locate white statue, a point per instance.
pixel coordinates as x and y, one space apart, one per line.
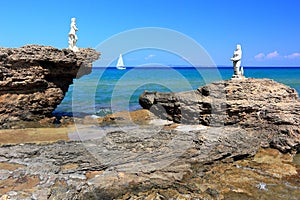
236 59
72 36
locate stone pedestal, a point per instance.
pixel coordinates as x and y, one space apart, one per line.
234 76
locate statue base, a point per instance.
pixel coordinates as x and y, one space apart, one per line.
74 49
234 76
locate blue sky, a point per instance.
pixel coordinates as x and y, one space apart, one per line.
268 30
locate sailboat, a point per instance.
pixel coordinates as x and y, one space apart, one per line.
120 64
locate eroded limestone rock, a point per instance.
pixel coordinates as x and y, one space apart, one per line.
262 107
34 80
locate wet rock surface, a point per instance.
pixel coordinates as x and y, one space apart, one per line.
34 80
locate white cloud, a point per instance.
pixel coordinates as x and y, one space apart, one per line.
149 56
275 55
262 56
271 55
293 56
259 56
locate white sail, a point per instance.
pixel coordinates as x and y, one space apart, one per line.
120 64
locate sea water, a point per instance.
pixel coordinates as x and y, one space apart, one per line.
107 90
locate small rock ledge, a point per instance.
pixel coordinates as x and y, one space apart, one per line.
34 80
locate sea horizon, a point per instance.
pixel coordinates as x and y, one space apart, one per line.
189 66
113 90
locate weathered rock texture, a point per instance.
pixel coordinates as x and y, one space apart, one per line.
189 162
34 80
225 160
262 106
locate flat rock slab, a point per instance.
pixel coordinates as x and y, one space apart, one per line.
116 158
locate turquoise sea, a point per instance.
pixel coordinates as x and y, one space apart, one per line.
108 90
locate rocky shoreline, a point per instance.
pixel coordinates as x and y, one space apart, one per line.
232 139
183 161
146 155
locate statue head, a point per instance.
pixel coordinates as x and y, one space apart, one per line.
73 19
238 47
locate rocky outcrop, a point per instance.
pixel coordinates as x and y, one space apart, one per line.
261 107
34 80
240 147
